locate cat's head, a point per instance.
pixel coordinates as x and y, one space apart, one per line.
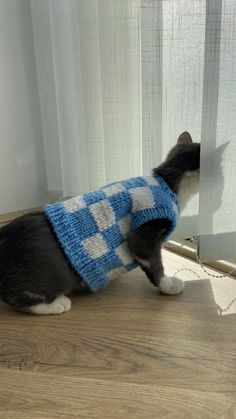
185 155
181 167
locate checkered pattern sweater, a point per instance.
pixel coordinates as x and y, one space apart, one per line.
92 228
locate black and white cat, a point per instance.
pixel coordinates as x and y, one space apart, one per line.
35 275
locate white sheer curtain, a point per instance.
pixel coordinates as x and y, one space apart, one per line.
88 61
217 223
117 81
22 170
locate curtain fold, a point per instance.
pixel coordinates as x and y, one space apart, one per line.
93 57
151 63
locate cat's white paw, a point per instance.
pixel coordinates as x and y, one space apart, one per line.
171 285
60 305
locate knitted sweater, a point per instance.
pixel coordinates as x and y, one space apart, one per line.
92 228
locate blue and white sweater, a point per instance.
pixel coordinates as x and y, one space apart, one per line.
92 228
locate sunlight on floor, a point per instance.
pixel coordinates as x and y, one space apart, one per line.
223 289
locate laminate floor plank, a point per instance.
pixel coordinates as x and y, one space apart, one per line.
126 352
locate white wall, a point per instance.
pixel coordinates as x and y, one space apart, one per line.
22 168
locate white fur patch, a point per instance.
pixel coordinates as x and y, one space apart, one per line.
188 187
143 262
171 285
60 305
34 296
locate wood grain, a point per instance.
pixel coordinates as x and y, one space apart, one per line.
126 352
230 413
56 396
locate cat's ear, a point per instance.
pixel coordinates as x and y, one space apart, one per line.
185 138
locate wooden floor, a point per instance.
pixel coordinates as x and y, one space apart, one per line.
126 352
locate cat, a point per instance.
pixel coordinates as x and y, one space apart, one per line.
36 276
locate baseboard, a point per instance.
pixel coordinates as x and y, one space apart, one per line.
186 248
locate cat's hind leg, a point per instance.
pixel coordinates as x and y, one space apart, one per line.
60 305
36 302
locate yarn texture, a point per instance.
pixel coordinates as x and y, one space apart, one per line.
92 229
